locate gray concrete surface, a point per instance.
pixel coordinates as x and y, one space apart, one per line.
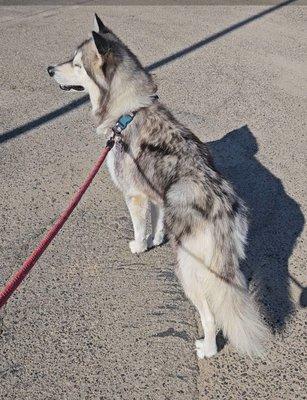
93 321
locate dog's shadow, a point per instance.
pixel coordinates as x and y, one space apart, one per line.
276 222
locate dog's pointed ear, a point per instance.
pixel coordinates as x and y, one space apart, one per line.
103 45
99 25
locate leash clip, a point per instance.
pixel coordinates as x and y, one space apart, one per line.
118 128
120 125
110 142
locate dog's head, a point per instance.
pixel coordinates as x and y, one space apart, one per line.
95 64
92 61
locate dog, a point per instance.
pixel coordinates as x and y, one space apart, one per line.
158 162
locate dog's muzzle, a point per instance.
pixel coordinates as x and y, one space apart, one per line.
78 88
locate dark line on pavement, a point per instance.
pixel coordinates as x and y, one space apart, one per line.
11 134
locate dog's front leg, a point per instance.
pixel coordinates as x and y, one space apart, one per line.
137 206
157 222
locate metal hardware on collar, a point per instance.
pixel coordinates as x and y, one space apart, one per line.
125 119
110 142
122 123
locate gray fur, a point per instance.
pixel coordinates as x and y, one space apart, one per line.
158 160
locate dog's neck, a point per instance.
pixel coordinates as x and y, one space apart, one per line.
95 98
119 100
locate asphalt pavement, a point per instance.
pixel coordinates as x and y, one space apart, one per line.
92 321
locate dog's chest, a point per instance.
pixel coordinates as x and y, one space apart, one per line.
118 164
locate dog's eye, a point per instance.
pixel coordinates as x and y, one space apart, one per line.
77 65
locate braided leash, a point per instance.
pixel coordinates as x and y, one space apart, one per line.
29 263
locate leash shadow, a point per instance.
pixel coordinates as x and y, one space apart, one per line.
276 222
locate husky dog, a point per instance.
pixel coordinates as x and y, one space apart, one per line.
158 161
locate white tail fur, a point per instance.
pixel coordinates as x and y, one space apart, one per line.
236 313
233 307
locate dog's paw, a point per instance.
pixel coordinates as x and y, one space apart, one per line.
155 240
138 247
204 349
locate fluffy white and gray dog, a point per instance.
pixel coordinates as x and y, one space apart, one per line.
159 161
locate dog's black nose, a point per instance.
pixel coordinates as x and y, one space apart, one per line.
50 71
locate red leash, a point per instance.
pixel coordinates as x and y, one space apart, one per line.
20 275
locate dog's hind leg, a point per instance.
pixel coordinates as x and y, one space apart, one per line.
137 206
206 347
157 221
192 274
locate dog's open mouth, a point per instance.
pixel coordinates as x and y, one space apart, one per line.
77 88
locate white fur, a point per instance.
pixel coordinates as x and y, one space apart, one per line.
138 205
123 99
226 304
201 257
205 349
111 166
157 236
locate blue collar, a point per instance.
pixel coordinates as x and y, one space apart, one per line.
123 122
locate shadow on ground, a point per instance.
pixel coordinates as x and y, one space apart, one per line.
29 126
276 222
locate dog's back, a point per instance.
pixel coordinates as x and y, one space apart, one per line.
204 217
158 159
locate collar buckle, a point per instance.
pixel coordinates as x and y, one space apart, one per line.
122 123
117 129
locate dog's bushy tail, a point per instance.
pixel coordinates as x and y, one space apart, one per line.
234 309
235 312
233 306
